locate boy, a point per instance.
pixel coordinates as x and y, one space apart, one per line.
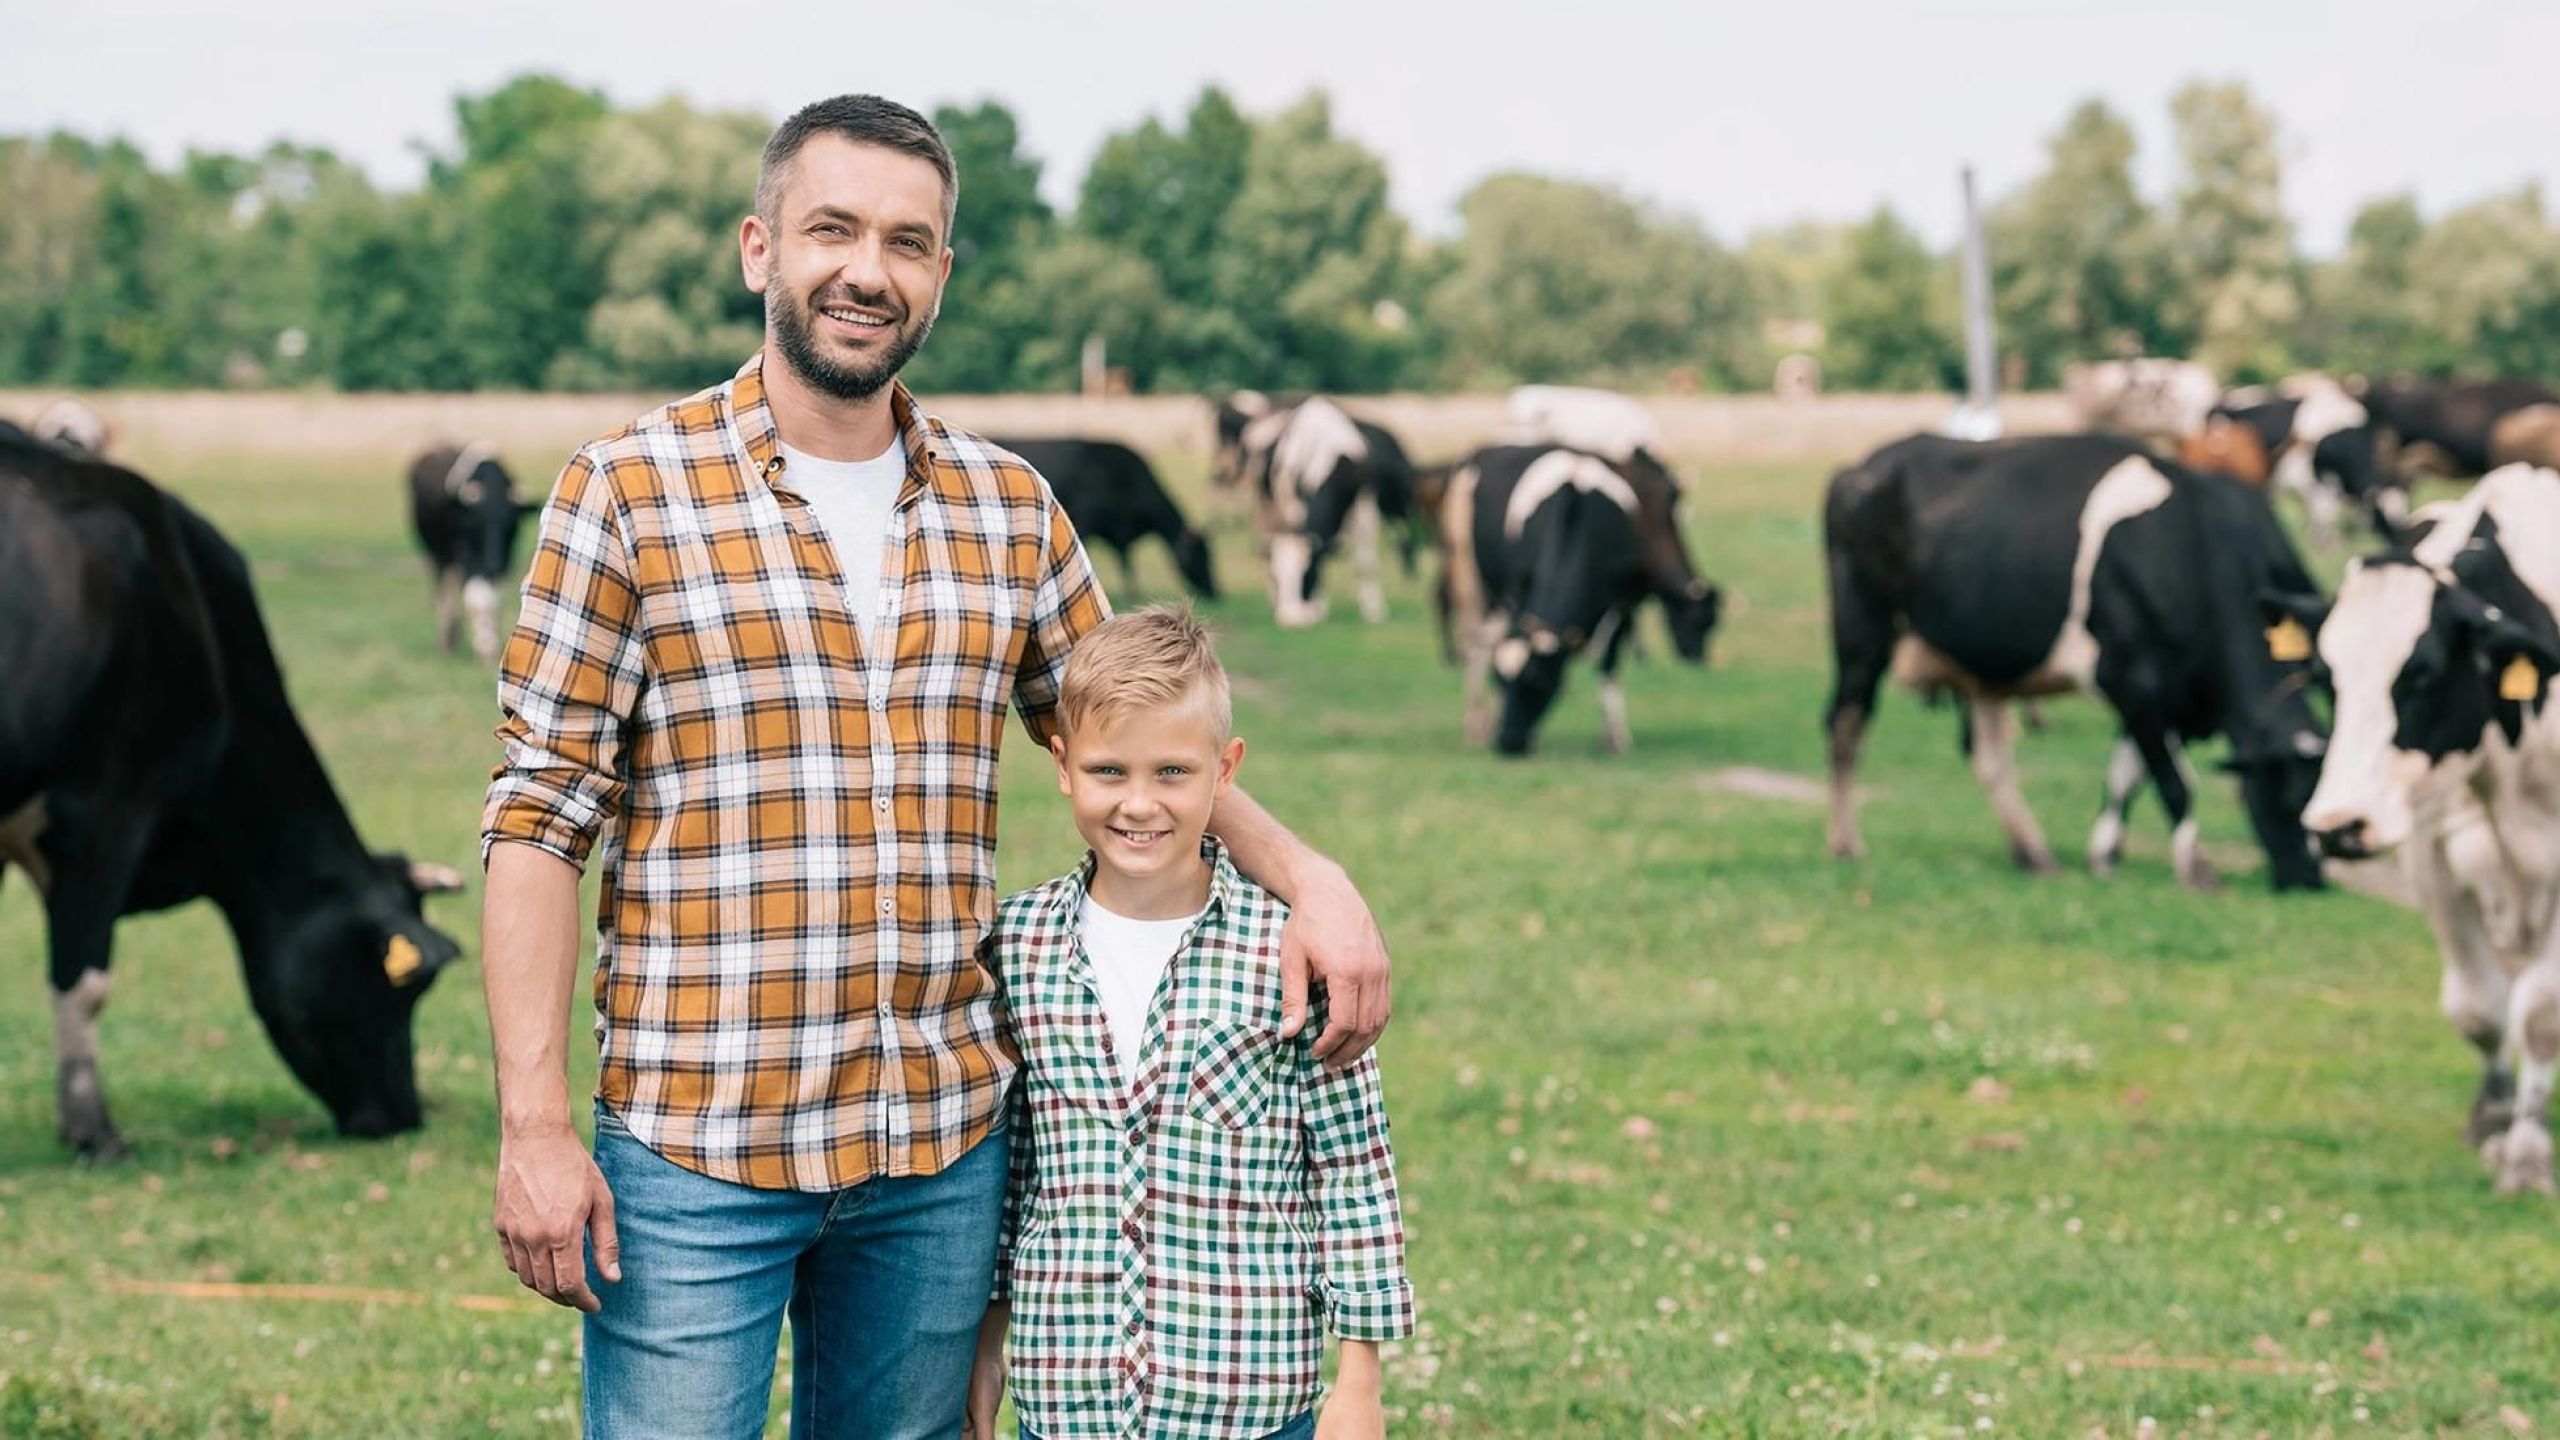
1193 1199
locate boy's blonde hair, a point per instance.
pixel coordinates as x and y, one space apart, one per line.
1145 660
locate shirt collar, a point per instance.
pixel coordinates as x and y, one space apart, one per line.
1223 880
753 417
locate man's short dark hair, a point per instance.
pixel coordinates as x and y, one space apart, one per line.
864 120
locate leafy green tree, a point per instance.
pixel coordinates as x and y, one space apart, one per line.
1001 223
48 218
1559 280
2488 274
2078 260
528 258
1889 313
1163 195
2233 243
2361 315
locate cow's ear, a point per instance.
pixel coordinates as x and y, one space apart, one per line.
2292 624
2515 662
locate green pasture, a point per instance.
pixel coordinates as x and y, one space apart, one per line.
1699 1131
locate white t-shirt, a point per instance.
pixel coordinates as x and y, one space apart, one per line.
1129 960
853 499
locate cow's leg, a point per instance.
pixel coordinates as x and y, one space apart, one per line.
79 1099
2124 782
1128 572
1293 558
2533 1023
1995 764
448 607
480 602
1487 635
1862 641
1615 737
1364 558
2166 759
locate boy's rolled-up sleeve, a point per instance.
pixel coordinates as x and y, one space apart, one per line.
1352 1179
570 678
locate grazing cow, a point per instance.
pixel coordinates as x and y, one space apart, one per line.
1600 421
148 756
2229 448
2320 444
2150 397
2454 422
464 506
1550 551
1315 470
2007 569
73 426
1112 495
2439 657
2530 436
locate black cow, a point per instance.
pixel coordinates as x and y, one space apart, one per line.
1550 552
2463 427
467 517
2012 568
1112 495
148 756
1314 471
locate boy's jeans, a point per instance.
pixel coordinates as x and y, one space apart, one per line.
885 1284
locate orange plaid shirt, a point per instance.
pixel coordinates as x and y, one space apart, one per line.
799 834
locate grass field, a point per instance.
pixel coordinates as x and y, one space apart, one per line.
1700 1133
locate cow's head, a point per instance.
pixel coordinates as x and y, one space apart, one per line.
339 1003
1191 557
1234 413
2276 749
1690 603
487 520
2422 670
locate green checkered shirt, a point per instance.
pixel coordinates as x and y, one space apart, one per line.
1176 1246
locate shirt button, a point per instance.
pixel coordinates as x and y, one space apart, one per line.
883 804
879 702
888 906
1130 1229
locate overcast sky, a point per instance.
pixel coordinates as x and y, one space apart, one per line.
1742 115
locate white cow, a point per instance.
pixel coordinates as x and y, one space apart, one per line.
1600 421
2440 658
2147 397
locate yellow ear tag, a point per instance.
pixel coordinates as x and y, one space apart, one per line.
2519 681
402 959
2288 642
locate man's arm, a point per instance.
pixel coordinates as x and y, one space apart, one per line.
550 1193
568 685
1330 930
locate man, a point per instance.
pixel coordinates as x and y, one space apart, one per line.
768 640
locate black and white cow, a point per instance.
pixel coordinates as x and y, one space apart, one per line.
1550 552
1113 496
2455 422
2008 569
2439 657
2321 449
1316 472
148 756
467 516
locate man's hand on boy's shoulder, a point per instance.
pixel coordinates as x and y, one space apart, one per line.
1331 935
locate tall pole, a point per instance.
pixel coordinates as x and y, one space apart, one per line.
1980 350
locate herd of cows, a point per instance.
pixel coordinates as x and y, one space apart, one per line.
149 756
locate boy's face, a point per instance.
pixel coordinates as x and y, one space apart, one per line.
1143 782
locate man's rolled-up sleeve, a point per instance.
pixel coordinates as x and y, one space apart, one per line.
1067 603
570 678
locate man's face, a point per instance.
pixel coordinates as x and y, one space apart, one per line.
1143 783
851 263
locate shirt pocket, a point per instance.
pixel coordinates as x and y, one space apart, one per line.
1231 1065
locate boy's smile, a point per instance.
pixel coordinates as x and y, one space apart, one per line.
1142 783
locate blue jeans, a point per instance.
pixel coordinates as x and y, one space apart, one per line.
1302 1428
884 1284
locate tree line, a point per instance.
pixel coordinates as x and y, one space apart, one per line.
567 243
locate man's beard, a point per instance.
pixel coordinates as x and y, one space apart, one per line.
794 327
